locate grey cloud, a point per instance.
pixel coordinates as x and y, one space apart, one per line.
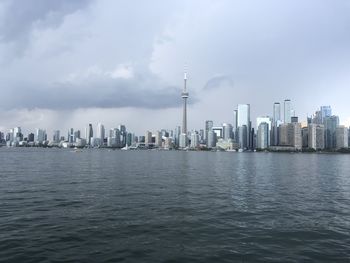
138 92
19 16
219 82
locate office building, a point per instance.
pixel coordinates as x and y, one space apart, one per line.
158 139
56 136
263 135
342 137
287 111
267 120
227 131
208 126
330 124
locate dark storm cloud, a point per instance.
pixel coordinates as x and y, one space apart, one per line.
98 93
19 16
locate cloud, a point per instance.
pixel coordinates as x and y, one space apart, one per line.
130 55
96 88
20 17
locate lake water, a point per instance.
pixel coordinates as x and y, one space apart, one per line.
153 206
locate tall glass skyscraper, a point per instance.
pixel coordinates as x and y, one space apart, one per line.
287 111
276 112
244 125
326 111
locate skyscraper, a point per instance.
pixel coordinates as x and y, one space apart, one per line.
263 135
267 120
341 137
208 126
184 96
276 112
326 111
330 124
89 134
100 134
287 111
244 125
56 136
227 131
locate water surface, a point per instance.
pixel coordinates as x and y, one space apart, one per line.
136 206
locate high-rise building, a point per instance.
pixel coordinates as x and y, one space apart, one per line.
211 142
40 136
290 135
89 134
342 137
70 135
263 135
269 121
243 122
227 131
100 136
235 124
330 124
287 111
208 126
184 96
276 112
243 115
326 111
177 134
77 136
158 139
148 138
305 137
123 134
56 136
320 144
194 140
243 137
31 137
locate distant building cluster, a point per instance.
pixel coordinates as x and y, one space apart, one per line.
278 132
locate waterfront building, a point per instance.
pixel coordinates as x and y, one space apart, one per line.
326 111
183 141
100 134
148 138
342 137
316 136
89 134
158 141
263 135
287 111
77 135
40 136
208 126
211 143
290 135
243 122
235 124
269 121
243 137
194 140
227 131
70 135
56 136
330 124
305 137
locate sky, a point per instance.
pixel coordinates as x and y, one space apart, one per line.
67 63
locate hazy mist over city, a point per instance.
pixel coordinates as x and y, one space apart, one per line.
68 63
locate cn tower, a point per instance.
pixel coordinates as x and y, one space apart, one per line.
184 96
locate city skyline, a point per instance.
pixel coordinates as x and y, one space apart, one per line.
64 62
